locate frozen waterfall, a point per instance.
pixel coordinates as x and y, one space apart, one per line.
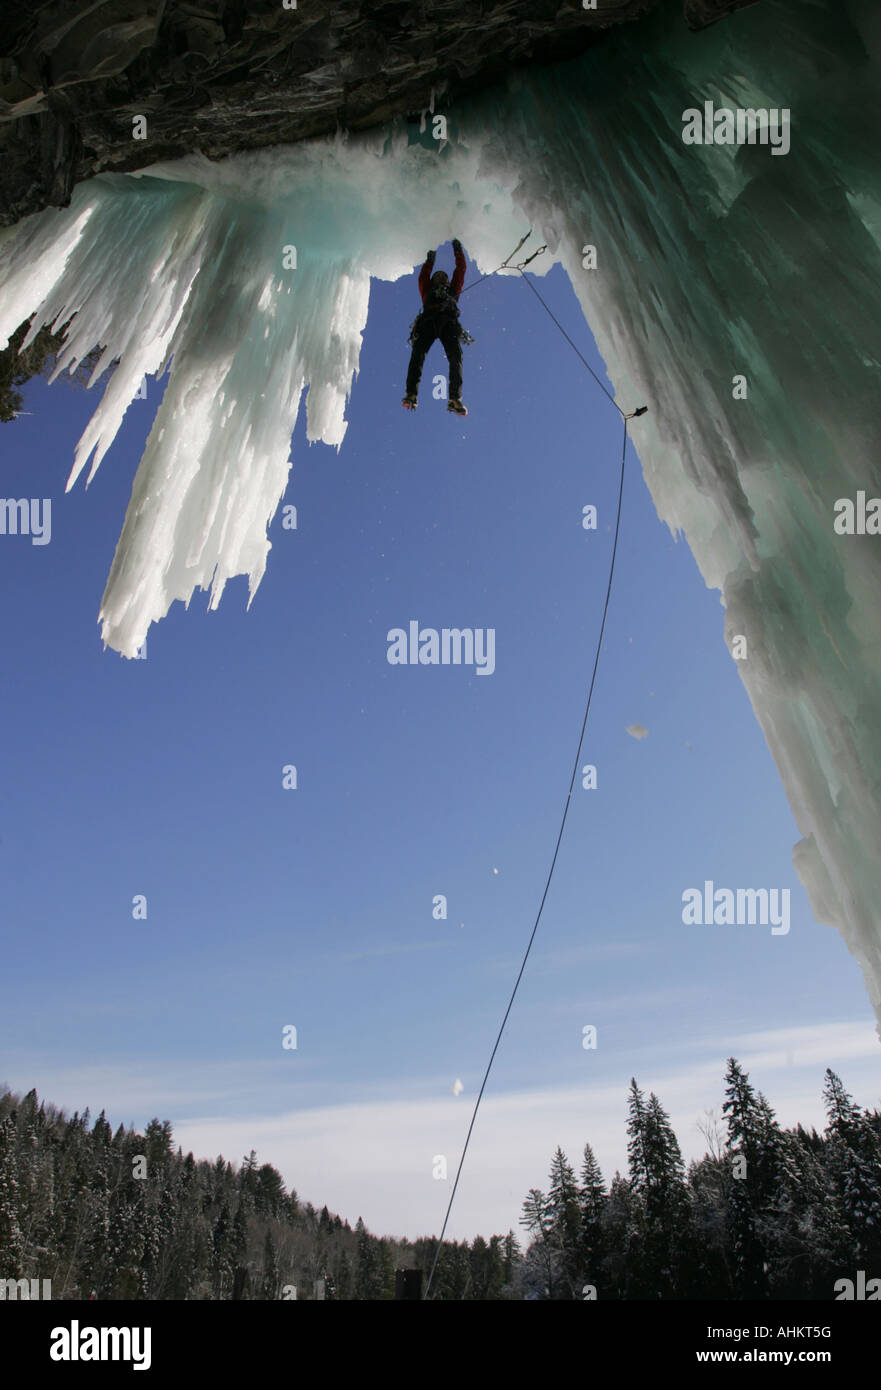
713 263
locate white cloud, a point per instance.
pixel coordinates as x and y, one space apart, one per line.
374 1157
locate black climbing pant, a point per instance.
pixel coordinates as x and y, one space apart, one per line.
424 334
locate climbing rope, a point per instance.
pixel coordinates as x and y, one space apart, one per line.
625 418
521 266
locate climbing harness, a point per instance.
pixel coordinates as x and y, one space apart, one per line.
440 307
463 334
625 417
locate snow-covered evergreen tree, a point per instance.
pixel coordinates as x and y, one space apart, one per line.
665 1200
753 1153
854 1164
636 1138
664 1168
370 1272
591 1202
565 1225
703 1264
538 1220
10 1214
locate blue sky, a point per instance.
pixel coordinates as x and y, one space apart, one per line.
313 907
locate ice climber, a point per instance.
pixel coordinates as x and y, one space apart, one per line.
439 319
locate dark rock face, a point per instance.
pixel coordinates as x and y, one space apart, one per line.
223 76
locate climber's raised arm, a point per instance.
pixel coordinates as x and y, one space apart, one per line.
425 274
459 273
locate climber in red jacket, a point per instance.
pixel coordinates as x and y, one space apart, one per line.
439 319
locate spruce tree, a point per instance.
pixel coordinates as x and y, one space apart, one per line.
664 1168
158 1146
665 1200
370 1272
753 1153
640 1276
538 1220
565 1224
591 1202
854 1164
269 1198
636 1138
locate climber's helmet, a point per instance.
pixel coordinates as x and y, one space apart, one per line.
440 277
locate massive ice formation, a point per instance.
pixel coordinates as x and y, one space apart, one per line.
714 261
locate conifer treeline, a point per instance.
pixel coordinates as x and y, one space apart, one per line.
124 1216
18 366
767 1213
